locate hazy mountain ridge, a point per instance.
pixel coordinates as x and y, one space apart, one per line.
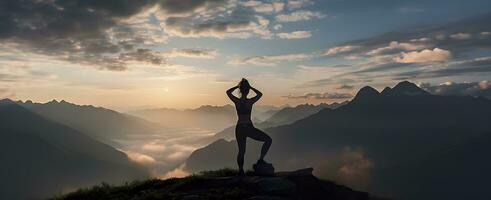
97 122
208 117
205 117
286 115
375 131
42 158
289 115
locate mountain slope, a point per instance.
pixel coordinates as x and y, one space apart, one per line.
355 143
204 117
283 116
41 157
99 123
224 184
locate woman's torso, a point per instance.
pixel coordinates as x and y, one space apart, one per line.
244 110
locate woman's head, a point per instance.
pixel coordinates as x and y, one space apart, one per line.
244 87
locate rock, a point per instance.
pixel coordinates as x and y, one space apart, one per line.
265 198
300 172
263 169
192 197
275 185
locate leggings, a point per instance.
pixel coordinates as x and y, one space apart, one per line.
242 131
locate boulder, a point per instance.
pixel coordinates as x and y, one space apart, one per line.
300 172
192 197
263 169
265 198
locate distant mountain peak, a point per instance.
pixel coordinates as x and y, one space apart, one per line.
366 92
6 102
54 101
386 90
408 88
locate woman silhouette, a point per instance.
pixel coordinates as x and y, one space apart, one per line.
244 127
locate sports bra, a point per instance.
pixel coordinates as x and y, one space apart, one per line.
243 108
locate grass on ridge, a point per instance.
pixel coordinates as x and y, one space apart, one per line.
172 188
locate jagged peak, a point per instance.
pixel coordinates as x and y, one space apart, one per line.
386 90
54 101
6 101
366 92
408 88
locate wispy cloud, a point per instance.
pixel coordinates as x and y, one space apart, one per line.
301 15
340 49
193 53
270 60
295 35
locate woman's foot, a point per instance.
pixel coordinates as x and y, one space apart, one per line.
261 161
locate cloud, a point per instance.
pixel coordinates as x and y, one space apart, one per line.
74 29
345 87
295 4
194 53
265 7
423 39
154 146
426 37
144 55
6 93
110 37
186 8
301 15
461 36
295 35
321 96
355 168
176 173
270 60
455 68
423 56
396 47
9 78
482 88
140 158
181 27
234 27
340 49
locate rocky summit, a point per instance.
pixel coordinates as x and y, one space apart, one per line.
224 184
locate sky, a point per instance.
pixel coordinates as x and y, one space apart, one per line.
126 55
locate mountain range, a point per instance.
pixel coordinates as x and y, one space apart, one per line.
286 115
99 123
207 117
387 142
41 157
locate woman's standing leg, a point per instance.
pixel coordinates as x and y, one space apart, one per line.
241 142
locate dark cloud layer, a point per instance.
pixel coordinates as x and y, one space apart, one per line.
183 7
471 66
78 30
482 88
450 37
74 29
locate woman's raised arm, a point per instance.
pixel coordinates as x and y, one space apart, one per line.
230 95
258 96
